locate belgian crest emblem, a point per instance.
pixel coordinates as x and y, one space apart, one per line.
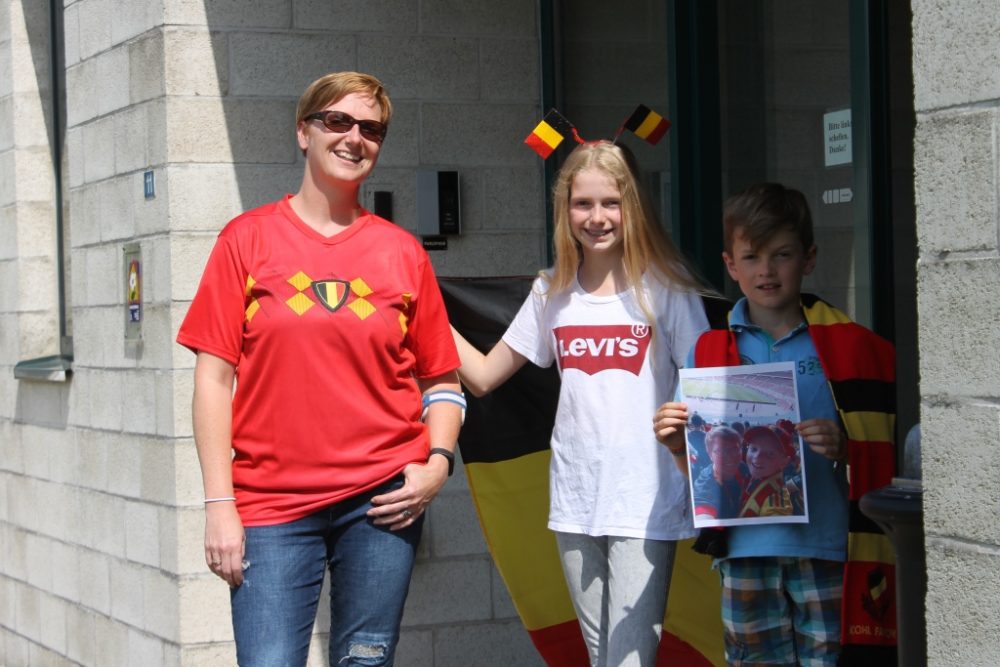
331 293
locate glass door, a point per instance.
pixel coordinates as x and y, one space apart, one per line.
785 116
818 96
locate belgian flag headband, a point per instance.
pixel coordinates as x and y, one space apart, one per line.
554 129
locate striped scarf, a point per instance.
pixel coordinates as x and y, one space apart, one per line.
860 369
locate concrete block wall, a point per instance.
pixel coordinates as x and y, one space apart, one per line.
100 515
39 564
956 68
28 302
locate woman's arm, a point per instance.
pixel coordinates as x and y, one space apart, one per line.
398 509
482 373
212 412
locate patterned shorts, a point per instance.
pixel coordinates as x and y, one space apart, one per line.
781 611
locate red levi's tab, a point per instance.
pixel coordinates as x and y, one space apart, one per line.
597 348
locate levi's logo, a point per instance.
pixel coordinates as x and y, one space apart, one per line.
597 348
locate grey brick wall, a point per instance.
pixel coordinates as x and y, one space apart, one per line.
956 68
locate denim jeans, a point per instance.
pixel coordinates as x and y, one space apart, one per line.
275 608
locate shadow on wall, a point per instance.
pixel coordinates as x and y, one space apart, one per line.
259 77
43 404
39 29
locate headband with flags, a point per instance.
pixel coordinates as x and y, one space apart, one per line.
554 128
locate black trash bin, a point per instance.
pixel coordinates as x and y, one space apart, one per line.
898 510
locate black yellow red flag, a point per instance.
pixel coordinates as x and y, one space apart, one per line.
549 133
647 124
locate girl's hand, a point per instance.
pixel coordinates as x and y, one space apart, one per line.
825 437
400 508
669 423
224 542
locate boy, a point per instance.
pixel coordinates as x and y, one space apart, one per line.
768 453
785 585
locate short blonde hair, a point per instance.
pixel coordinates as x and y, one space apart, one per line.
332 87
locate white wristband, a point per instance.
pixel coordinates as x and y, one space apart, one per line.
219 500
445 396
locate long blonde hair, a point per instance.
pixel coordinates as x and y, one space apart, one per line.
647 251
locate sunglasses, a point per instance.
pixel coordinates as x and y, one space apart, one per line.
340 122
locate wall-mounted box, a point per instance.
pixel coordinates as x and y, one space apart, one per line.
438 203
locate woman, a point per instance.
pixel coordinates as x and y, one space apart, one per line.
332 321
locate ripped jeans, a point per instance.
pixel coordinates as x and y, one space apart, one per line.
275 608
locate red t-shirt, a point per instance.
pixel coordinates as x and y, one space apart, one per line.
328 336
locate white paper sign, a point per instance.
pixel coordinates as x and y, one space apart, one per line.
837 137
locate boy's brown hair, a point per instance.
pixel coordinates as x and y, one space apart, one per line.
761 211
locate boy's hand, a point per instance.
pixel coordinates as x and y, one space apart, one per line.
668 425
825 437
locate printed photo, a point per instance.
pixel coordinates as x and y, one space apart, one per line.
744 455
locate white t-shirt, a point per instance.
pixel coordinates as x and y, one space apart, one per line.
609 475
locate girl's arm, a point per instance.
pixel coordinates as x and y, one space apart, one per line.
669 423
212 412
482 373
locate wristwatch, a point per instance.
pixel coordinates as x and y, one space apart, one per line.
445 453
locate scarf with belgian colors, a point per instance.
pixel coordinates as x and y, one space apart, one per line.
860 368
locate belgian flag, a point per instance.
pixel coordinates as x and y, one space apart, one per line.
505 448
647 124
549 133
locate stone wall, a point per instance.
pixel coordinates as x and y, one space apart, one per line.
956 70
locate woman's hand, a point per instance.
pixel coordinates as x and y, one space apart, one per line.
224 542
400 508
825 437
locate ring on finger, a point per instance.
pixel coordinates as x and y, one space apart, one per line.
407 513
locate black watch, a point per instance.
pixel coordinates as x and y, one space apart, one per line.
445 453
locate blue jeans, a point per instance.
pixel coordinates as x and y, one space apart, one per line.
275 608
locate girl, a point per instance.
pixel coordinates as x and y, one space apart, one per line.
618 311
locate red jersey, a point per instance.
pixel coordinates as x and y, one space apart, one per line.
328 337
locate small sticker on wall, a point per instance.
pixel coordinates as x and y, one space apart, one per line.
838 196
133 292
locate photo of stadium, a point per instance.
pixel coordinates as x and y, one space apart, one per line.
744 455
